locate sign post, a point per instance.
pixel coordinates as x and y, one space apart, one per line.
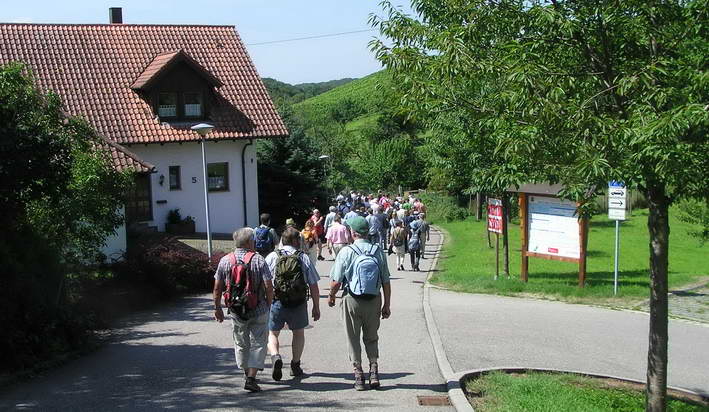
494 224
616 211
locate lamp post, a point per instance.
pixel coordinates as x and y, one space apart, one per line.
203 130
327 169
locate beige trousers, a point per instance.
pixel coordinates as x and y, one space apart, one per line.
250 339
361 318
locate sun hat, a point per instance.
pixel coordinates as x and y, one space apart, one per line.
359 225
290 222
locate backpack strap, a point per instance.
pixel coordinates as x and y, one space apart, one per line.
232 260
357 252
371 252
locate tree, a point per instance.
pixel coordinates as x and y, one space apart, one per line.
59 201
572 92
291 177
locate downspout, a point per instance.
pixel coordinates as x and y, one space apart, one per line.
243 177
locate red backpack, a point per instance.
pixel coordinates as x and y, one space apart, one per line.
240 296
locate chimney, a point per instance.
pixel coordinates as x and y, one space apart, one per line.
115 15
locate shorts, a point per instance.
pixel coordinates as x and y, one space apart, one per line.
321 236
296 317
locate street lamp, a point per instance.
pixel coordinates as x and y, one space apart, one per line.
203 130
329 166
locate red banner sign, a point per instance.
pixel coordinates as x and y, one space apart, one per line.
494 215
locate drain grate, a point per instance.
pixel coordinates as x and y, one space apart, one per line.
434 400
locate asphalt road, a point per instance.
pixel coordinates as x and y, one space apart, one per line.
483 331
177 357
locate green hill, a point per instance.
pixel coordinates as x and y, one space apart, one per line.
366 93
295 93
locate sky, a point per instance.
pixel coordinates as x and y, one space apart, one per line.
257 21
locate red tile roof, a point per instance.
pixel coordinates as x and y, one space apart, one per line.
92 67
163 62
123 159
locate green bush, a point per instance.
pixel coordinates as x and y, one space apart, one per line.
442 208
168 266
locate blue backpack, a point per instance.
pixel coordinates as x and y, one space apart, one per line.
365 273
262 238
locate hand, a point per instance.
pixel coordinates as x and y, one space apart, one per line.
386 312
331 301
219 315
316 314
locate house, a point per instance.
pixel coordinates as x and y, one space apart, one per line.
143 87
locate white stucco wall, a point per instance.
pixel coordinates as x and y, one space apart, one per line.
226 208
116 244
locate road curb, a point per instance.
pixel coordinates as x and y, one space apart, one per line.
455 392
463 375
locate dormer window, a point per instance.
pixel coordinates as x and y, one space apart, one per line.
167 105
193 104
177 86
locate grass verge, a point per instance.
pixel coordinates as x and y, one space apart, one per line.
468 265
563 392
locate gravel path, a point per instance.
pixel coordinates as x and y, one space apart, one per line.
177 357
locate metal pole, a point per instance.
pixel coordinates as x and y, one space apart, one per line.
615 269
206 201
497 255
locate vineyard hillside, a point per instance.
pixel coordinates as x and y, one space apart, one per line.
366 93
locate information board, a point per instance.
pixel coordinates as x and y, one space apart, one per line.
553 227
494 215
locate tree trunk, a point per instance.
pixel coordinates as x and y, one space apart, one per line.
478 206
658 226
505 238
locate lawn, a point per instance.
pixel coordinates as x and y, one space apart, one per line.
550 392
468 265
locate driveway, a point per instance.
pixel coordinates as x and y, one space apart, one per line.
484 331
177 357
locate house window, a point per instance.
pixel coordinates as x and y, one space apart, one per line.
175 183
193 104
167 104
218 177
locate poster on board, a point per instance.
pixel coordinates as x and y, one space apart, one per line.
494 215
553 227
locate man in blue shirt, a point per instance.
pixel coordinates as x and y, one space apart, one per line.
362 307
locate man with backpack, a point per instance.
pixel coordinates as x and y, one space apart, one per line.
362 269
425 234
265 237
245 281
294 277
414 244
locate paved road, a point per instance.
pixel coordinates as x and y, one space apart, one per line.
481 331
178 357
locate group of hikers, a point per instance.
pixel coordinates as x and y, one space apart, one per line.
266 283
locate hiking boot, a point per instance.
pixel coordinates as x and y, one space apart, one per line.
359 379
295 369
251 385
374 375
277 367
321 258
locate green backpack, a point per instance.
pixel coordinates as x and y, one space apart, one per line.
291 289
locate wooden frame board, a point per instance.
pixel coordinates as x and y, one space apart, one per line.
526 254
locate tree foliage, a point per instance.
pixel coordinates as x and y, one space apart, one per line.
59 199
569 92
291 175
